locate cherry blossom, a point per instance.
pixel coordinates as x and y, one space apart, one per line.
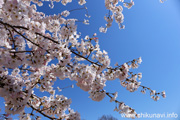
36 50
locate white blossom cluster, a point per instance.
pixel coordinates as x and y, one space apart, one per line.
116 10
125 109
13 91
54 106
37 50
153 94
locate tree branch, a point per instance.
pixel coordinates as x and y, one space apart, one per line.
39 111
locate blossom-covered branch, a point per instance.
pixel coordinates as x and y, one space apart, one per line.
37 50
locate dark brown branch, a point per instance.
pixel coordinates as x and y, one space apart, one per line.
19 51
47 37
39 111
111 97
6 24
22 27
85 58
77 9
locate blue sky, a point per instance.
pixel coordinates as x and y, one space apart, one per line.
153 32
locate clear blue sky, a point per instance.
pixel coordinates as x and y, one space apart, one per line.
153 32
